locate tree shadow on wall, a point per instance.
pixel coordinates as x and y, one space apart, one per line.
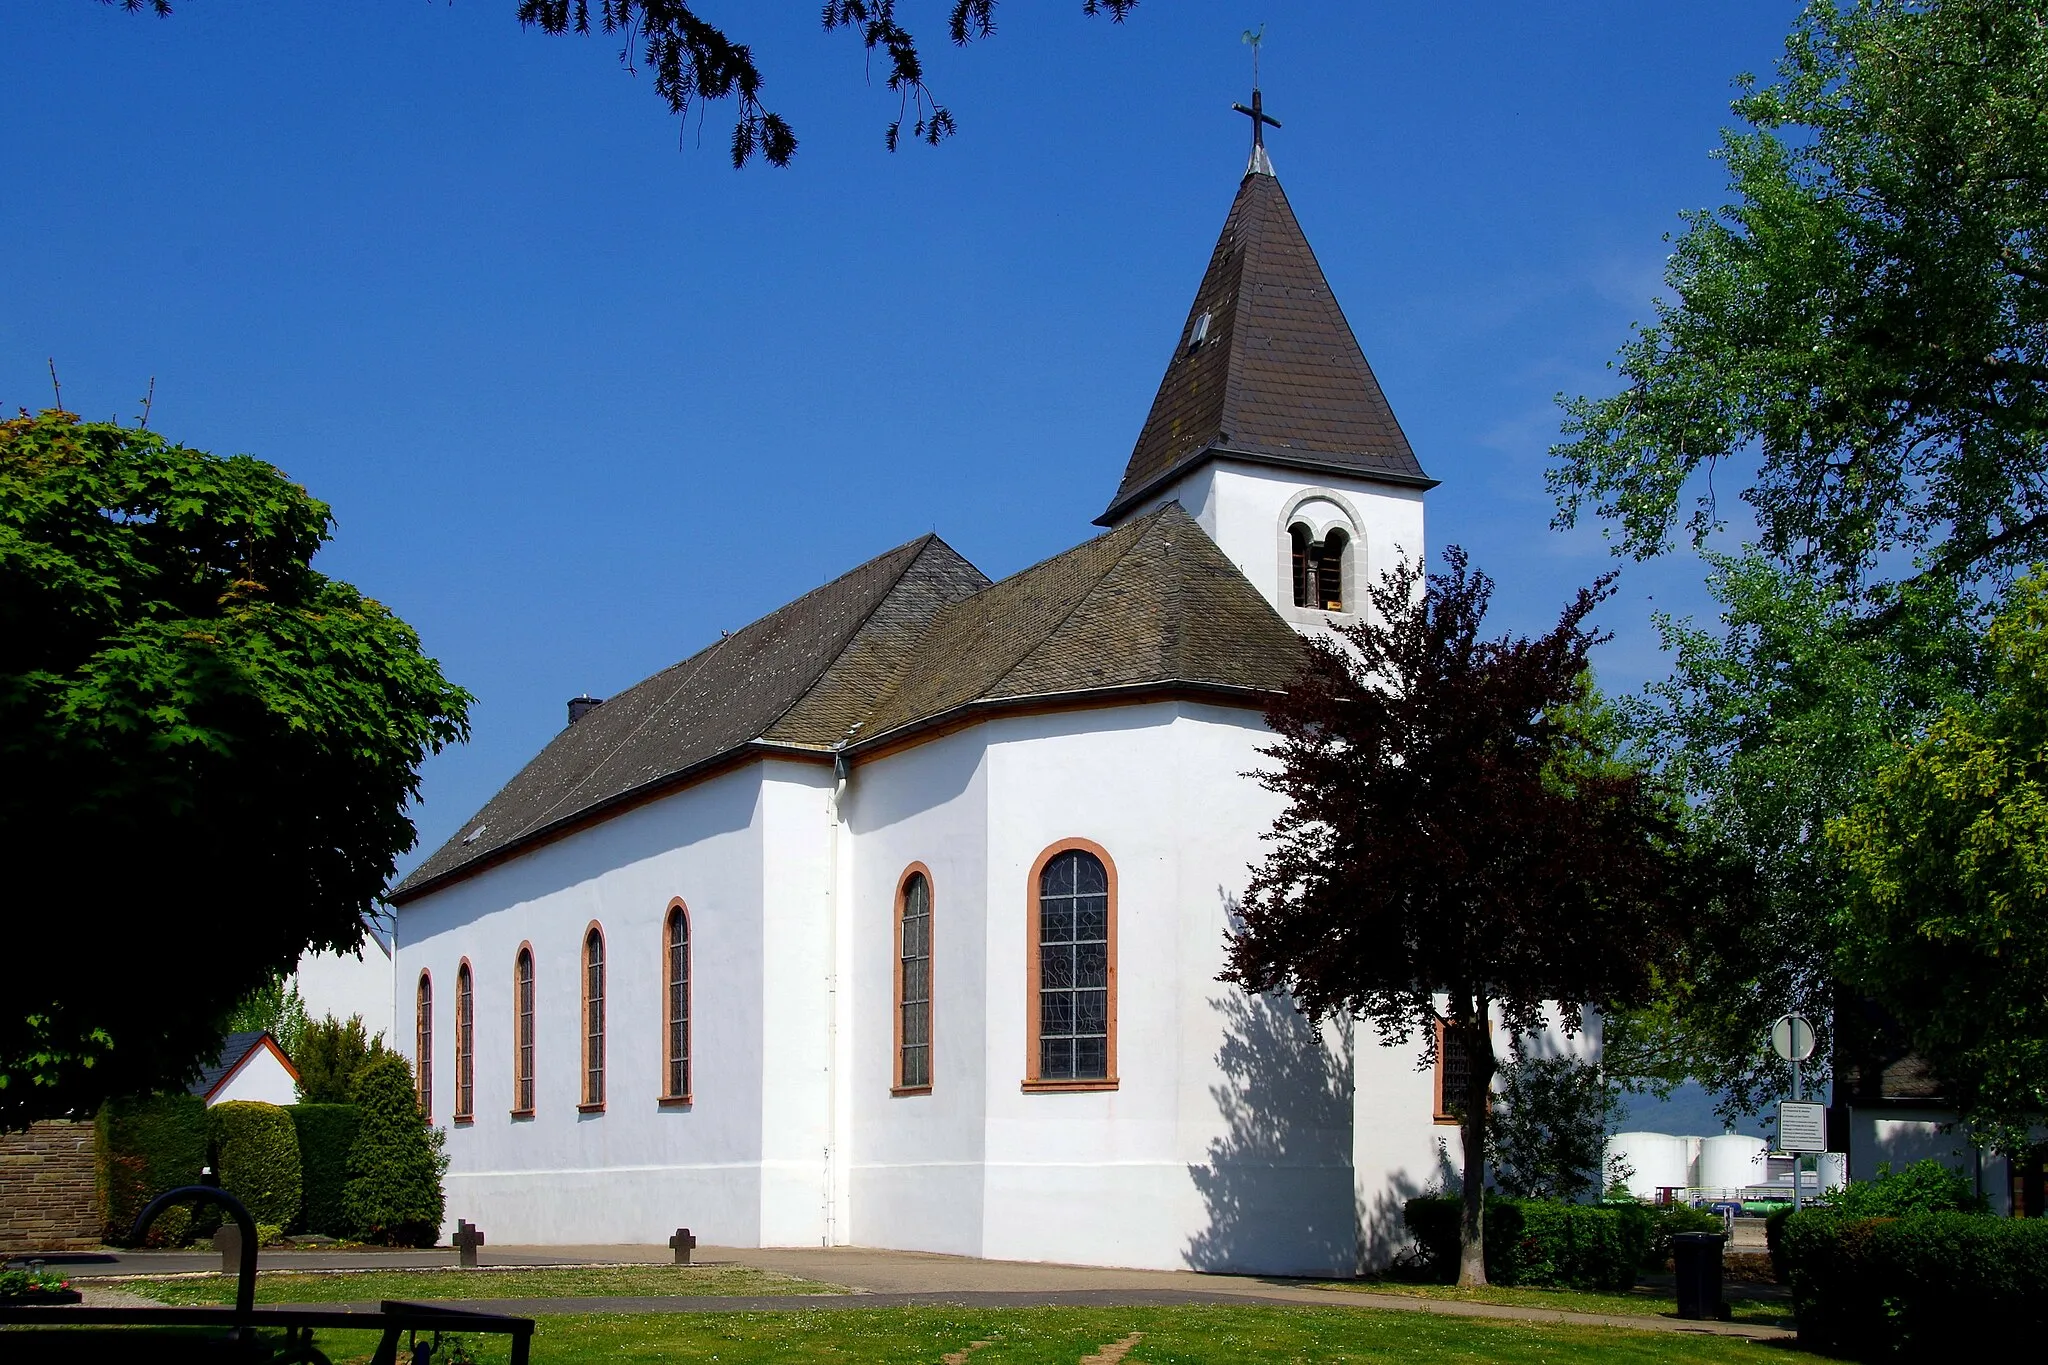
1277 1181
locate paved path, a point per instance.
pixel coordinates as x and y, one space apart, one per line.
890 1279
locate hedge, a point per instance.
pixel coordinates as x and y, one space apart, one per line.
1876 1288
326 1132
1539 1241
142 1148
395 1163
256 1152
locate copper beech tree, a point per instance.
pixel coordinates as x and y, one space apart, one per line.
1457 845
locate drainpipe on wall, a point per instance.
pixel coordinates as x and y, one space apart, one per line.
841 776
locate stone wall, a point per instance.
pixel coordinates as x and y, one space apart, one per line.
47 1196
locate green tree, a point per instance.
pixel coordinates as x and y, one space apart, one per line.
1945 921
393 1195
1549 1128
276 1009
1453 850
1860 337
693 59
225 737
1770 727
331 1054
1865 323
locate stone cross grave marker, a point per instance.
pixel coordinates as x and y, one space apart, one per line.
684 1244
467 1239
228 1242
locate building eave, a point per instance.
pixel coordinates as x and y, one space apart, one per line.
1305 460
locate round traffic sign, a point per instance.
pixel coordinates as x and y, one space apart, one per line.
1792 1038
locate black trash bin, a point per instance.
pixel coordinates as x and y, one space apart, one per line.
1696 1256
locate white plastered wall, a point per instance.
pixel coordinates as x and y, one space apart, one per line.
1246 509
638 1170
347 984
261 1077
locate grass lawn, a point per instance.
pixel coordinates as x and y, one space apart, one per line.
1042 1336
1643 1300
369 1286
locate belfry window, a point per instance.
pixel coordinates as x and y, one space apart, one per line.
1318 567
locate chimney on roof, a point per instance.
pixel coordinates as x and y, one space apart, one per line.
579 707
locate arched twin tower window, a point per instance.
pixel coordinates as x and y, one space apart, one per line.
1322 551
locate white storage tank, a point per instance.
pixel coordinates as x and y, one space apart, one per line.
1655 1161
1731 1161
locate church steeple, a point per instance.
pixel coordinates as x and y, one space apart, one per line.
1266 371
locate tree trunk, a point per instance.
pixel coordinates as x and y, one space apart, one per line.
1478 1100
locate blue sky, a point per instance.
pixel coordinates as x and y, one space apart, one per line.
581 396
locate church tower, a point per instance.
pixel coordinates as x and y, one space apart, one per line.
1269 427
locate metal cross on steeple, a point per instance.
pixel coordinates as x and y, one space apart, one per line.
1256 111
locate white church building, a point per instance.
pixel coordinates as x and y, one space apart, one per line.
894 918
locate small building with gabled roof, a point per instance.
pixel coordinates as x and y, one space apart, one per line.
251 1066
894 917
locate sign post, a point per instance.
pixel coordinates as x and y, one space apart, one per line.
1802 1127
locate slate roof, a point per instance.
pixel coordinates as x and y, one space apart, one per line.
1152 602
233 1050
909 638
1280 378
795 677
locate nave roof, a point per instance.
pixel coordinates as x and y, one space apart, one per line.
910 638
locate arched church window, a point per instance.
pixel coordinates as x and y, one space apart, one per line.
914 983
1453 1072
465 1043
522 1031
675 972
1330 571
1318 566
423 1044
1072 1022
593 1018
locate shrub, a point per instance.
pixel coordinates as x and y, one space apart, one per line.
1883 1287
1923 1187
144 1147
1539 1241
395 1163
1666 1220
256 1152
331 1054
326 1132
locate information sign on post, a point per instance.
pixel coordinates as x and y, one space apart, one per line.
1802 1126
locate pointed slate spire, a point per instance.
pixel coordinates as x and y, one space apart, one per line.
1267 370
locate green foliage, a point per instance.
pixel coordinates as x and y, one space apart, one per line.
693 60
395 1163
276 1009
1865 321
1668 1220
223 734
1945 920
256 1153
27 1285
1549 1129
1541 1242
1771 725
326 1133
1455 848
1880 1288
1926 1186
142 1148
331 1054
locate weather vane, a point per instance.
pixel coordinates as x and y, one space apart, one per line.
1256 110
